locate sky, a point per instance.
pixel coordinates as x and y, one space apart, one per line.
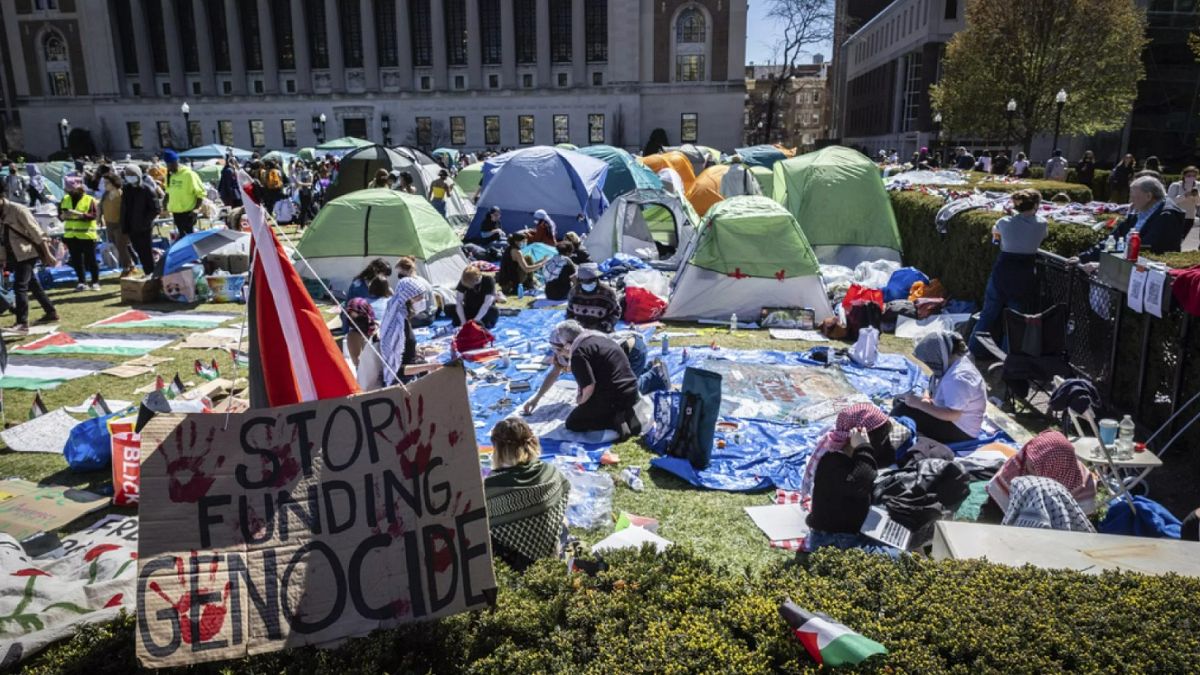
762 33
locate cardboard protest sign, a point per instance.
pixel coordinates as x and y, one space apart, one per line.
28 508
309 523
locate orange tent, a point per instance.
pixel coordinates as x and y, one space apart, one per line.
673 160
706 191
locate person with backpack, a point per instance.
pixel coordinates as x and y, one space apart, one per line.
22 245
272 183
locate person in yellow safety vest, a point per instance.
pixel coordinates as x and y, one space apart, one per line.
185 193
78 213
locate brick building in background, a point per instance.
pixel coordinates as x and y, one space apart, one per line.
802 112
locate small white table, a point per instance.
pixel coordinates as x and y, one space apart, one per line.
1125 473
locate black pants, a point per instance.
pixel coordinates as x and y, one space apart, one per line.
599 413
185 222
140 241
83 257
489 319
306 204
928 425
24 283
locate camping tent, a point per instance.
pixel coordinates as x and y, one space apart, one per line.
624 172
210 173
357 169
766 180
350 231
567 185
749 254
216 151
340 146
837 196
469 177
719 182
639 221
459 207
764 155
451 155
673 160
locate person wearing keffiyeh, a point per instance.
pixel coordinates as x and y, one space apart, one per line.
1047 455
396 340
1045 504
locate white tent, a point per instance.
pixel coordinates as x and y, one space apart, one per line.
643 223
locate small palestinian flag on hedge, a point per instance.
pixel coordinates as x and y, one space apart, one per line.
827 641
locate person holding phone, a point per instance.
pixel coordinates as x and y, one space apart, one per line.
1185 192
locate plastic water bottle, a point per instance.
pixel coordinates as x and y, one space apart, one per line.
1110 244
632 476
574 452
520 290
733 322
1125 438
666 345
1121 245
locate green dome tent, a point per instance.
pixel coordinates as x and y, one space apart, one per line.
343 144
624 172
352 230
838 198
766 180
357 169
469 178
749 253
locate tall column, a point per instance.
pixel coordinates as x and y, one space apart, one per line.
437 27
474 46
370 48
543 43
404 45
237 54
578 44
333 33
508 46
141 44
300 45
208 74
266 45
174 49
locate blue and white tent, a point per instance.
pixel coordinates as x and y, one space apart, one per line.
565 184
216 151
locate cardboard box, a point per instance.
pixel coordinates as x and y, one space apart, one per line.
140 290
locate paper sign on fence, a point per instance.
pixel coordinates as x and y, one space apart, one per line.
309 523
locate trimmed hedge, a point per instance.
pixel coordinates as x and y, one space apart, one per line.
677 613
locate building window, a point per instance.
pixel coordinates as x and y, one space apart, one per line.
560 31
165 138
562 79
689 27
912 91
258 86
135 88
422 34
424 131
285 41
426 83
491 130
525 129
689 68
195 134
158 48
385 33
596 128
562 129
58 64
595 26
218 34
251 42
455 13
196 88
460 82
187 35
226 87
689 127
288 127
258 134
489 28
951 10
527 80
225 132
458 131
129 64
493 81
318 41
597 79
289 86
134 130
351 28
166 88
525 30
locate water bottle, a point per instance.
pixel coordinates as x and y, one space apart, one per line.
733 322
1125 438
1121 245
632 476
1110 244
520 290
666 345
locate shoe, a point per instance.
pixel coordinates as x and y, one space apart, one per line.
662 377
20 329
95 287
49 318
81 287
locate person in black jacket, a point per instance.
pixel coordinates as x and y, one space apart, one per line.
139 208
1157 219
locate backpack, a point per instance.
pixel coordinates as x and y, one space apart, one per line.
472 336
274 181
863 313
686 422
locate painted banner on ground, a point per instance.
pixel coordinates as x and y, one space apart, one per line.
309 523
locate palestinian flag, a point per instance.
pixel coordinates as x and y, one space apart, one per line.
99 407
827 641
34 373
136 318
208 373
94 343
240 358
38 407
176 387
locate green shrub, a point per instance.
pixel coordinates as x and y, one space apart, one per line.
1179 260
677 613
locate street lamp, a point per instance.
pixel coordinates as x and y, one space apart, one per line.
187 126
1060 99
1009 111
385 123
63 125
322 119
937 130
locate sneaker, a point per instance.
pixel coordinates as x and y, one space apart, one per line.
20 329
81 287
49 318
95 287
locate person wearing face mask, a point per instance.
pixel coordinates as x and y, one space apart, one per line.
475 299
652 374
954 407
608 388
1186 194
79 215
139 208
591 302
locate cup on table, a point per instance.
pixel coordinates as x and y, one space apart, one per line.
1108 431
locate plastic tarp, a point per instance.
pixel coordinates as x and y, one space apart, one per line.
762 155
624 172
192 247
216 151
357 169
678 162
567 185
837 196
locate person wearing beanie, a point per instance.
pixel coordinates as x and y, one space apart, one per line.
185 193
139 208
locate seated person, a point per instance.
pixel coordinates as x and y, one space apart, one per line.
843 482
421 304
1045 504
581 255
1047 455
492 238
591 302
379 291
652 376
543 230
526 498
516 268
607 386
358 285
475 299
1157 219
361 326
955 410
890 440
559 272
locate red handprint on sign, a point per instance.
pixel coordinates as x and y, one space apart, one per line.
212 616
190 471
286 457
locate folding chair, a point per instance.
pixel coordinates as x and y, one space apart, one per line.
1036 354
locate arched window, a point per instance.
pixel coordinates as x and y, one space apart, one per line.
690 48
689 27
57 64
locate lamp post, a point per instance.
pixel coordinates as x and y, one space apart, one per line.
63 125
1060 99
321 118
1009 111
385 123
187 125
937 130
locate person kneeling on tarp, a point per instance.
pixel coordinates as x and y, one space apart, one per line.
608 389
954 408
526 498
652 375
